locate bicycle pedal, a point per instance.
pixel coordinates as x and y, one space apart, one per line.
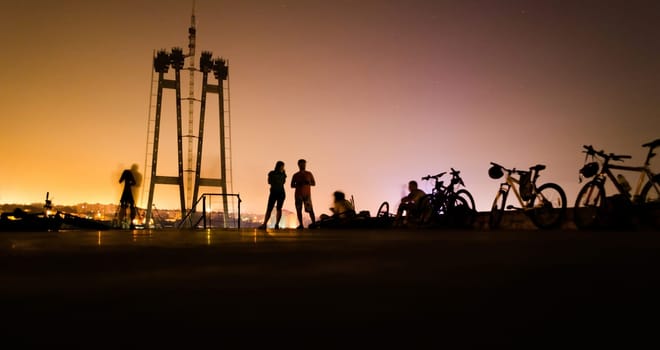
510 207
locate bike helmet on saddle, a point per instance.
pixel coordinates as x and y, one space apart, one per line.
495 172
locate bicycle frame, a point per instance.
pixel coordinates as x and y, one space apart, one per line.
441 192
513 183
645 172
594 208
439 189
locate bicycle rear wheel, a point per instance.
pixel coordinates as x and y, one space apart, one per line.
589 204
497 210
468 199
549 205
650 202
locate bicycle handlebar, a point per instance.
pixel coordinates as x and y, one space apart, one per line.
456 177
510 171
497 165
591 151
428 177
536 168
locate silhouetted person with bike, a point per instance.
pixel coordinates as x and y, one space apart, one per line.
127 201
412 205
303 181
276 180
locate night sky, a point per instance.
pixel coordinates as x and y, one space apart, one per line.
371 93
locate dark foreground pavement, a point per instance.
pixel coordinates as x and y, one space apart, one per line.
331 289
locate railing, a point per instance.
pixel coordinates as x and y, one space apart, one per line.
204 217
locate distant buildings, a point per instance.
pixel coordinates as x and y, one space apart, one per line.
162 217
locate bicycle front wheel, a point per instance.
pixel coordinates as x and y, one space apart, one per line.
651 194
497 210
383 210
650 202
589 204
549 205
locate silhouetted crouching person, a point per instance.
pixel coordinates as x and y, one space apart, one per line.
276 180
302 182
412 205
342 211
342 208
127 200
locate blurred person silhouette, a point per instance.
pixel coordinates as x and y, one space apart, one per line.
302 182
276 180
342 210
127 201
412 205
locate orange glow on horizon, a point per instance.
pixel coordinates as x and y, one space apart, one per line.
372 96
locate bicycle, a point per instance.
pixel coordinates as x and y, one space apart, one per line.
448 206
545 205
592 206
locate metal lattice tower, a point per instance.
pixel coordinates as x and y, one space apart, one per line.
162 63
184 179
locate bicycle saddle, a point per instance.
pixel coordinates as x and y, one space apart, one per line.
652 144
537 167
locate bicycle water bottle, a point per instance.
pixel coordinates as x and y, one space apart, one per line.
623 182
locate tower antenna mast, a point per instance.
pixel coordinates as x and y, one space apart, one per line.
192 32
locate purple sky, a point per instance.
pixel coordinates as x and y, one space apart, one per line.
371 93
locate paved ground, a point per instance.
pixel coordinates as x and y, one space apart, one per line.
329 289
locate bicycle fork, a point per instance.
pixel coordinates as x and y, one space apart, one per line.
502 194
505 188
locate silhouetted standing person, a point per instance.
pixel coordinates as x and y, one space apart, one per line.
303 181
127 200
276 180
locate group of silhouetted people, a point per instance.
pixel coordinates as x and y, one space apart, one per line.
342 209
302 182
